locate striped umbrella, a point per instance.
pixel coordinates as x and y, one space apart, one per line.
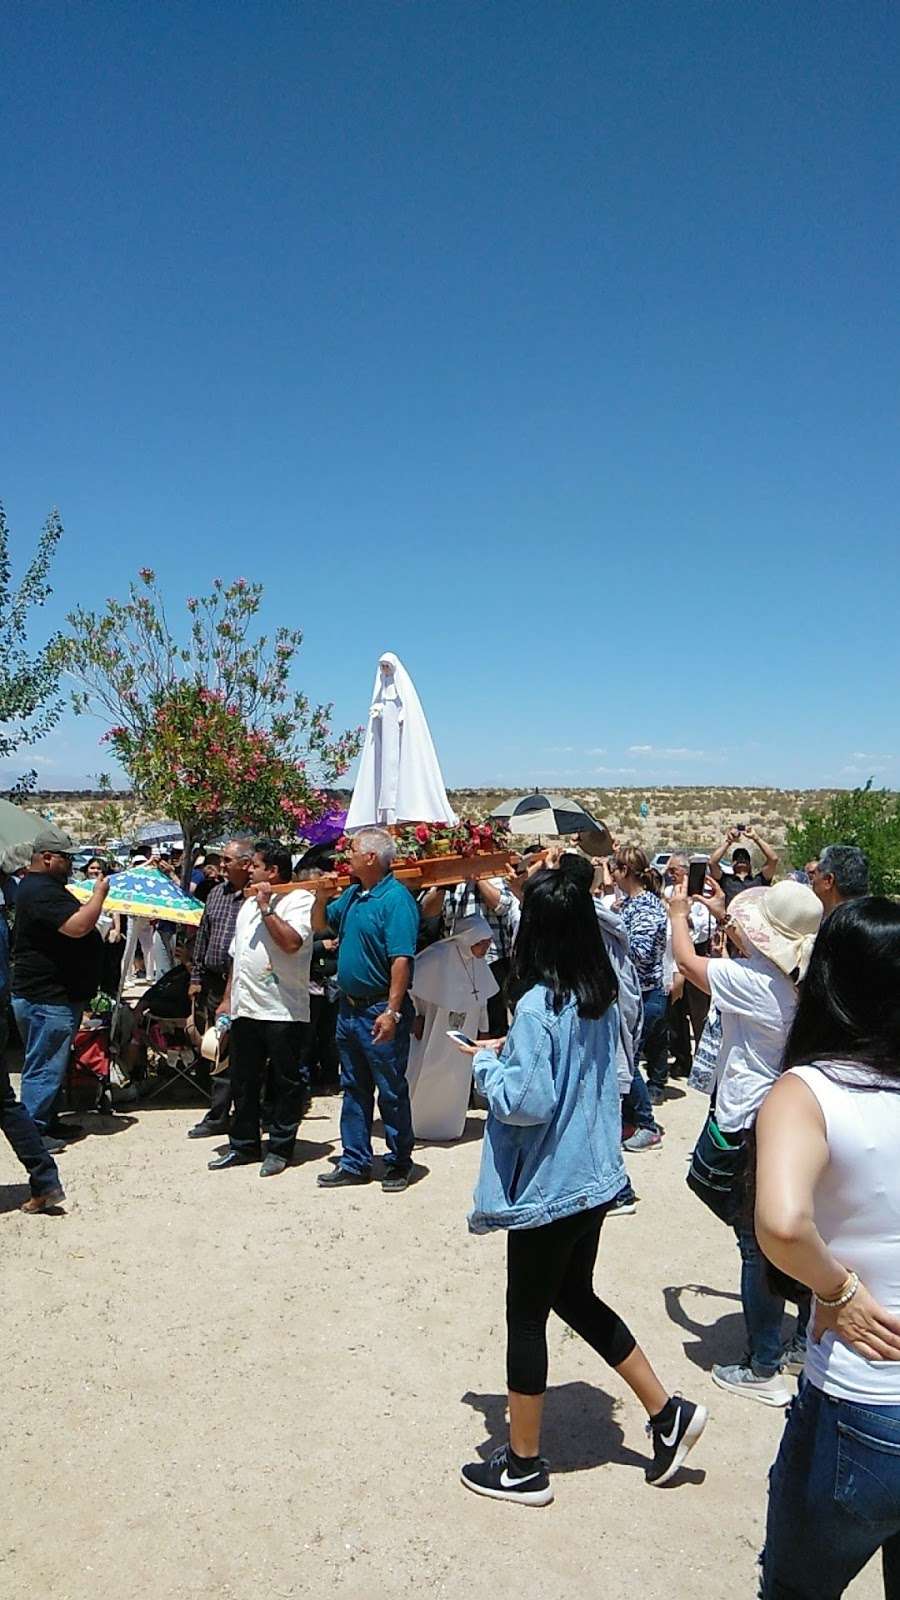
555 814
145 892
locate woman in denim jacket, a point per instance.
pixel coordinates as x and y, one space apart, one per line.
551 1166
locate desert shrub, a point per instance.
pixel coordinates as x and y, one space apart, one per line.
867 817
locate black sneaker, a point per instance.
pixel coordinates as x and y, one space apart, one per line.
673 1443
500 1481
396 1179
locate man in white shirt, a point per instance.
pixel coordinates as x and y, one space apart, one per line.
268 1000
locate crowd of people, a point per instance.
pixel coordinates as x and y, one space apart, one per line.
562 998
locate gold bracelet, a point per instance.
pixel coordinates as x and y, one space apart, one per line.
848 1290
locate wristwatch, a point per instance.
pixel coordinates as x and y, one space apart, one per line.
267 911
397 1015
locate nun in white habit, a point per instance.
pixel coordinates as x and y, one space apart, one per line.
451 986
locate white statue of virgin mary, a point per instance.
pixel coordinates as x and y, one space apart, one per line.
399 779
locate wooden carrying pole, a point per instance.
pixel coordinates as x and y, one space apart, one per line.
432 872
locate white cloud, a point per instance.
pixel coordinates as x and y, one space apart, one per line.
621 772
597 750
670 753
854 769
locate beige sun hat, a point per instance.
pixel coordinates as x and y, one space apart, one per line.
781 921
214 1048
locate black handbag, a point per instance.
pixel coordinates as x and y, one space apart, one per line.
717 1171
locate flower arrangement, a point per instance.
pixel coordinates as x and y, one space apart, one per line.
421 840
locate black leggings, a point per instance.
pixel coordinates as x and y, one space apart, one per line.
552 1269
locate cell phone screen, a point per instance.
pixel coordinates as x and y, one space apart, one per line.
696 877
459 1038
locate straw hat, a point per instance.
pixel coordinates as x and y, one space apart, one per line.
781 921
214 1048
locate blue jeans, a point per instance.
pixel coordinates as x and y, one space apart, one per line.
655 1037
18 1128
763 1310
834 1499
47 1033
365 1067
636 1107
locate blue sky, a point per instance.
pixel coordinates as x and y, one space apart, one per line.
551 345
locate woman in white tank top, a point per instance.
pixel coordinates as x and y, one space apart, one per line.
828 1213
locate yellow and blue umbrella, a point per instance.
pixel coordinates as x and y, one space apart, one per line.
145 892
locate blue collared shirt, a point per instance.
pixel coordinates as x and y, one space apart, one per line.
374 927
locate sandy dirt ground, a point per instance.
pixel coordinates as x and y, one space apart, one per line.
217 1385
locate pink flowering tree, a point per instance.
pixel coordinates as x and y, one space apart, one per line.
206 725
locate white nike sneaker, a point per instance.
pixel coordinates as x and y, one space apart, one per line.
743 1380
671 1444
501 1481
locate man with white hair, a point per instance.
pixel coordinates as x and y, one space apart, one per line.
841 873
377 923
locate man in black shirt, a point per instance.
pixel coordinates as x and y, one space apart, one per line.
57 954
15 1123
742 876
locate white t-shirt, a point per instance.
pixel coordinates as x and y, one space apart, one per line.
756 1003
266 982
857 1211
700 919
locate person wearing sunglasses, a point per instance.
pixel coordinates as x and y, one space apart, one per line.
56 962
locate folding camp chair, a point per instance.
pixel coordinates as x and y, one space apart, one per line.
169 1045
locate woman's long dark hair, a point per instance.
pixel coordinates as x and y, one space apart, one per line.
849 1008
559 943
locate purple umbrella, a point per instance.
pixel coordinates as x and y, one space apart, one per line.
327 829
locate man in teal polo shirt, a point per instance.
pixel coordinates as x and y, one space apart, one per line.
377 923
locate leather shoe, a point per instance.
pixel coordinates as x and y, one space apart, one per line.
44 1202
340 1178
208 1130
272 1166
231 1158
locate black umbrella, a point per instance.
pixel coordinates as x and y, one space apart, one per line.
554 814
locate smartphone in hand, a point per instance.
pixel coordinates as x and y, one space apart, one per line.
461 1038
697 871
